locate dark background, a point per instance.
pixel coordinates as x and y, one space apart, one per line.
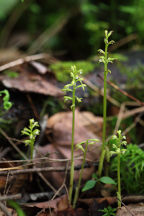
70 29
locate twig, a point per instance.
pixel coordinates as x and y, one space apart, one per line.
13 145
4 152
47 182
137 119
133 112
123 41
126 207
4 209
119 117
26 197
40 169
63 184
24 156
122 91
36 159
96 89
11 197
33 170
133 198
23 60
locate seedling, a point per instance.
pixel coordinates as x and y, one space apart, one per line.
92 183
32 131
105 60
84 150
118 142
6 103
109 211
71 87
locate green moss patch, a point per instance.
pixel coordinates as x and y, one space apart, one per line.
62 69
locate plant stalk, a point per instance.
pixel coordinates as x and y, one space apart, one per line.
31 149
72 146
80 177
119 184
104 113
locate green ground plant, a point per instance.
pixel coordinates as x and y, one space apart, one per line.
6 103
118 141
105 60
84 150
92 183
17 207
132 169
77 82
109 211
32 132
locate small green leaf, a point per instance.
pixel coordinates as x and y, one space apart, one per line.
79 146
95 140
89 185
107 180
79 100
101 51
111 42
27 142
110 33
67 98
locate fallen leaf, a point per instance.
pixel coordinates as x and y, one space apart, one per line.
59 204
60 126
31 82
131 210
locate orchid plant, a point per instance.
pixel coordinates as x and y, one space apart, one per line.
77 82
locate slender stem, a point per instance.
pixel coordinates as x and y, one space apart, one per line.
72 146
80 176
31 149
119 184
104 113
107 160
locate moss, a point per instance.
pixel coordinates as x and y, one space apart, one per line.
132 170
11 74
62 69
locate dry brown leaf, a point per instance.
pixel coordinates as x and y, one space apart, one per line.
31 82
58 204
60 126
131 210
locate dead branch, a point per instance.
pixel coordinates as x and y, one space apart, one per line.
96 89
4 209
122 91
23 60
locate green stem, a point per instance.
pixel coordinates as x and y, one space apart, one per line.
107 160
31 149
80 176
104 113
119 184
72 146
